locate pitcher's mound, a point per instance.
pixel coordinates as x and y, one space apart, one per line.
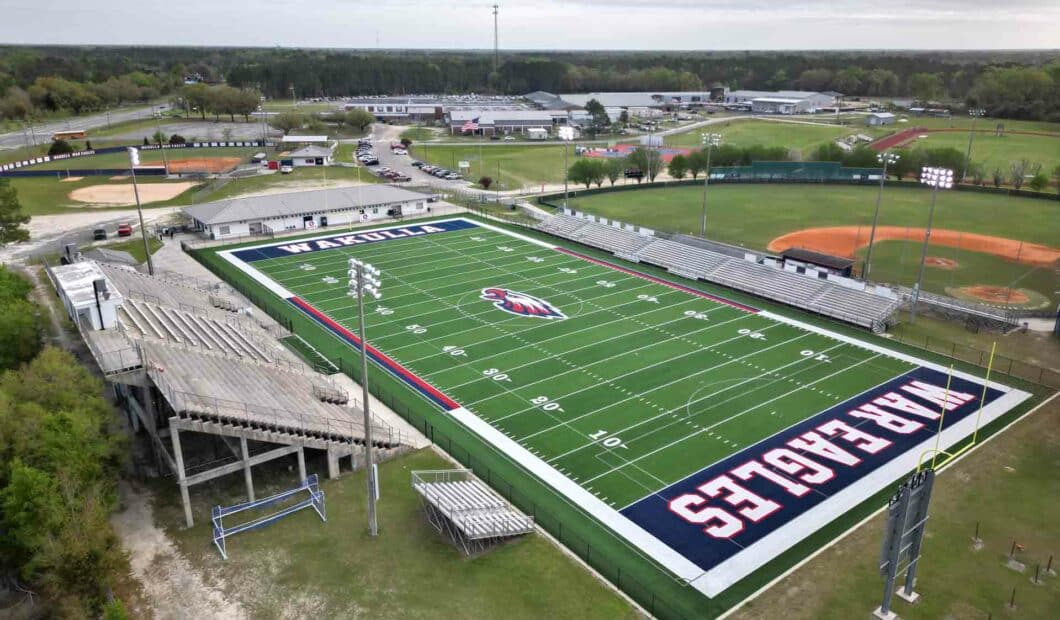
941 263
121 194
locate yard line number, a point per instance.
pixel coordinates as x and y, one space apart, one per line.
608 441
817 357
454 351
546 404
752 334
496 375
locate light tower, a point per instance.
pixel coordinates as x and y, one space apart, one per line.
710 140
974 113
884 158
364 280
937 178
496 48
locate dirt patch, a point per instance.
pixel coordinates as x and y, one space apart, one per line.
947 264
70 179
173 587
204 164
116 194
995 294
845 241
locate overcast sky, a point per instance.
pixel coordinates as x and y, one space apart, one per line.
541 24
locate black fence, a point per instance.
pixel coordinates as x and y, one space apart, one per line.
1003 365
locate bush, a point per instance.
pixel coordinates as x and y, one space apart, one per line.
177 139
485 182
60 147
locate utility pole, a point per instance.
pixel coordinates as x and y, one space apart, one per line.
134 159
364 280
496 48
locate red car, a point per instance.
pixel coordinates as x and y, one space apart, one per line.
124 230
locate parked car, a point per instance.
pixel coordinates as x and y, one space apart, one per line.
99 234
416 163
286 169
124 229
509 138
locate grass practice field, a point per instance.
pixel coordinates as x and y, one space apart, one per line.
635 399
514 166
799 137
754 215
993 152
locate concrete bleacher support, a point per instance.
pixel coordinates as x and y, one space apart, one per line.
247 477
178 455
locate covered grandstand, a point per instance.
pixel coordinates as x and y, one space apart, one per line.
822 293
189 357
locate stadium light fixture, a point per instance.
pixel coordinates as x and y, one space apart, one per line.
887 158
364 282
936 179
975 113
710 140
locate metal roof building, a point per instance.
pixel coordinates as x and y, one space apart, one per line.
308 210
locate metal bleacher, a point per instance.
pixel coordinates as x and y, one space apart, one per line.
467 510
858 307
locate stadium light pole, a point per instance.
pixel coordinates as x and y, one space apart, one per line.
710 140
134 160
566 134
884 158
975 113
936 178
364 280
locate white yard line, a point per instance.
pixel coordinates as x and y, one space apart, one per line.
737 415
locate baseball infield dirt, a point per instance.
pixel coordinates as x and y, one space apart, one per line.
845 241
995 294
203 164
121 194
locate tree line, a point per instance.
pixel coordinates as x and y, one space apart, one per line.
1009 84
60 452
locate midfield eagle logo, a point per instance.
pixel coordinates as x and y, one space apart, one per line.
521 303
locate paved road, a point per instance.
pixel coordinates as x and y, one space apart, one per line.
44 131
194 130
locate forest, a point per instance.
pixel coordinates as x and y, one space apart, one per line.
1010 84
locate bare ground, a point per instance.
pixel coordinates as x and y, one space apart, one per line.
172 587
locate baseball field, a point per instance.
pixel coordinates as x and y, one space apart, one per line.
764 217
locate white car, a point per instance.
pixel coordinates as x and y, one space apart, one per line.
400 152
509 138
286 169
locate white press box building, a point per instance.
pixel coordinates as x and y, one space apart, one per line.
308 210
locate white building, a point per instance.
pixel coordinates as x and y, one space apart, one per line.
877 119
310 210
803 101
88 295
775 105
311 155
537 133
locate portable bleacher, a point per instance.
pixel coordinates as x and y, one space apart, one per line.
466 510
315 500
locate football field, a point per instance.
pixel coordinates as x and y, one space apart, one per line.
711 436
